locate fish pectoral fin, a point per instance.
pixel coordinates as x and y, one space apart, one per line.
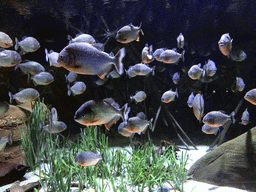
102 75
111 122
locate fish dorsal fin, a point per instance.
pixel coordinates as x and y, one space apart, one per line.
24 37
111 101
141 115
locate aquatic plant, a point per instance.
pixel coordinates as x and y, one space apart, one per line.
121 168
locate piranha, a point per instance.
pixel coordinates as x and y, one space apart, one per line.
83 58
250 96
147 54
169 96
217 118
210 130
138 124
5 140
237 55
88 159
245 117
27 44
225 44
82 38
195 72
52 57
5 40
171 56
238 85
176 78
198 106
129 33
43 78
180 41
210 68
191 100
77 89
157 53
25 95
54 125
124 132
140 69
105 112
9 58
139 96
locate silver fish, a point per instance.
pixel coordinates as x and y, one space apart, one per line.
191 100
210 68
83 58
238 85
141 69
71 77
180 41
9 58
237 55
195 72
43 78
30 68
171 56
157 53
147 54
5 40
52 57
77 89
176 78
5 140
129 33
124 132
245 117
210 130
82 38
198 106
250 96
217 118
139 96
105 112
27 44
88 159
55 127
130 72
169 96
138 124
4 107
25 95
225 44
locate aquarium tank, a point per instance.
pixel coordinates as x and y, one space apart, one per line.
137 73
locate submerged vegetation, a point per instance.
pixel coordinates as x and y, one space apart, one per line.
120 169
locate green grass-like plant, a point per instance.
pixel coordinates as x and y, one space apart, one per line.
119 169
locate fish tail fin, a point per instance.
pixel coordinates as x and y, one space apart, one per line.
233 117
35 84
118 64
69 90
140 28
28 80
46 55
182 55
16 44
11 97
16 67
153 70
131 97
125 110
151 124
104 157
177 95
10 138
40 126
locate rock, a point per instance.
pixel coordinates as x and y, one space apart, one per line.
231 164
10 172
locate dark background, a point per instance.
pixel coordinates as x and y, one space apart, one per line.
201 22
